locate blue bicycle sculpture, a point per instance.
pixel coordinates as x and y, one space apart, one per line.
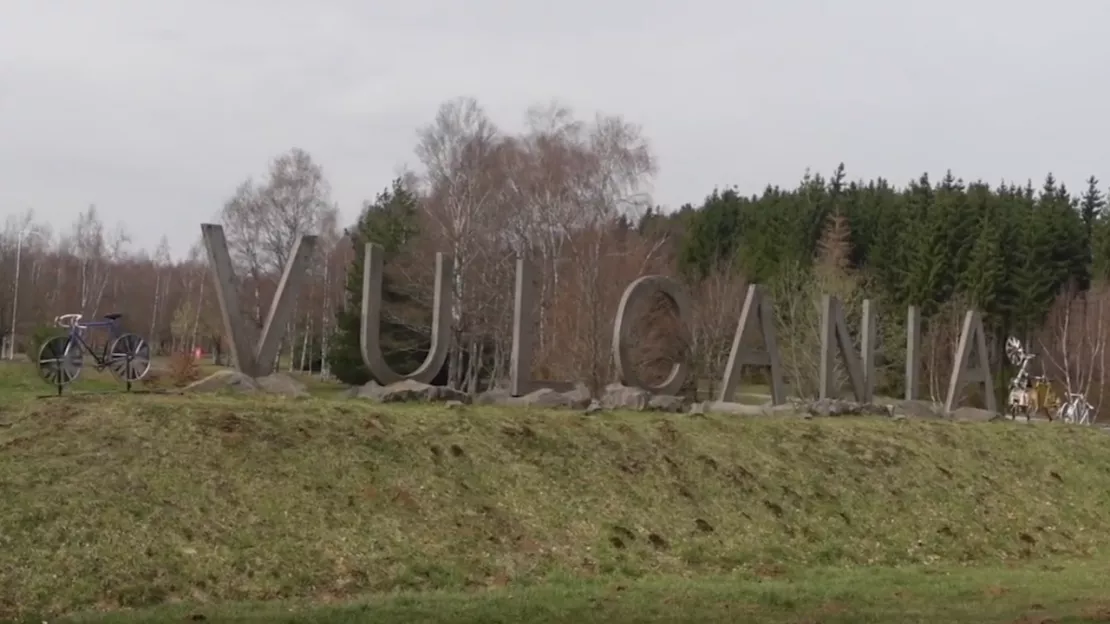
61 358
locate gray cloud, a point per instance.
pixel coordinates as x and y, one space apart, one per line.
154 111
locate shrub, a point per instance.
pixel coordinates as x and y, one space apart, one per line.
39 336
183 369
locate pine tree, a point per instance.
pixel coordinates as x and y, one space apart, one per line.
389 221
982 280
834 249
712 235
1091 205
887 255
927 247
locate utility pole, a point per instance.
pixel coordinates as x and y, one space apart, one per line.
24 232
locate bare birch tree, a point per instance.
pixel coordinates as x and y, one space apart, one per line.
460 152
718 301
97 251
160 263
263 221
1073 342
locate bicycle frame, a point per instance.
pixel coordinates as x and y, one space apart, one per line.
76 329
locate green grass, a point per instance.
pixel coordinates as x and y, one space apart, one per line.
1055 592
161 507
19 378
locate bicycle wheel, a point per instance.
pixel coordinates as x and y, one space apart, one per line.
129 358
60 360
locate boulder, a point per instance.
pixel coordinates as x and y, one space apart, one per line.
368 390
929 410
667 403
408 391
841 407
227 379
744 409
974 414
233 380
494 396
544 397
577 397
620 397
918 409
280 383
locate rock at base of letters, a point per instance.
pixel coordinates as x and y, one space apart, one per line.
927 410
621 397
280 383
840 407
974 414
223 380
575 398
668 403
409 391
579 397
617 396
233 380
494 396
367 391
544 397
743 409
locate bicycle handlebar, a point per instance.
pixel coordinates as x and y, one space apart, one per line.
67 320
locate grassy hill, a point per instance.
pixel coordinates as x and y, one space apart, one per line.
185 503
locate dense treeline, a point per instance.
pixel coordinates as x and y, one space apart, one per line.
1008 250
569 196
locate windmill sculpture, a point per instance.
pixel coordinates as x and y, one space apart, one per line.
1032 394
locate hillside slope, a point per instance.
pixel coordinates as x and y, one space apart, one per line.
123 501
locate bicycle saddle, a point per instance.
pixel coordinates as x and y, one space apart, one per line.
114 316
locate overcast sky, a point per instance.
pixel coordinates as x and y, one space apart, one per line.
155 109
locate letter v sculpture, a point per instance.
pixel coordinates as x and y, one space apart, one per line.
254 356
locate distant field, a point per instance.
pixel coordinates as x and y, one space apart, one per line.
164 508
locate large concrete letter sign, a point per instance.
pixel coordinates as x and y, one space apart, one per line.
757 317
971 336
641 290
913 352
372 315
520 366
253 357
835 337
